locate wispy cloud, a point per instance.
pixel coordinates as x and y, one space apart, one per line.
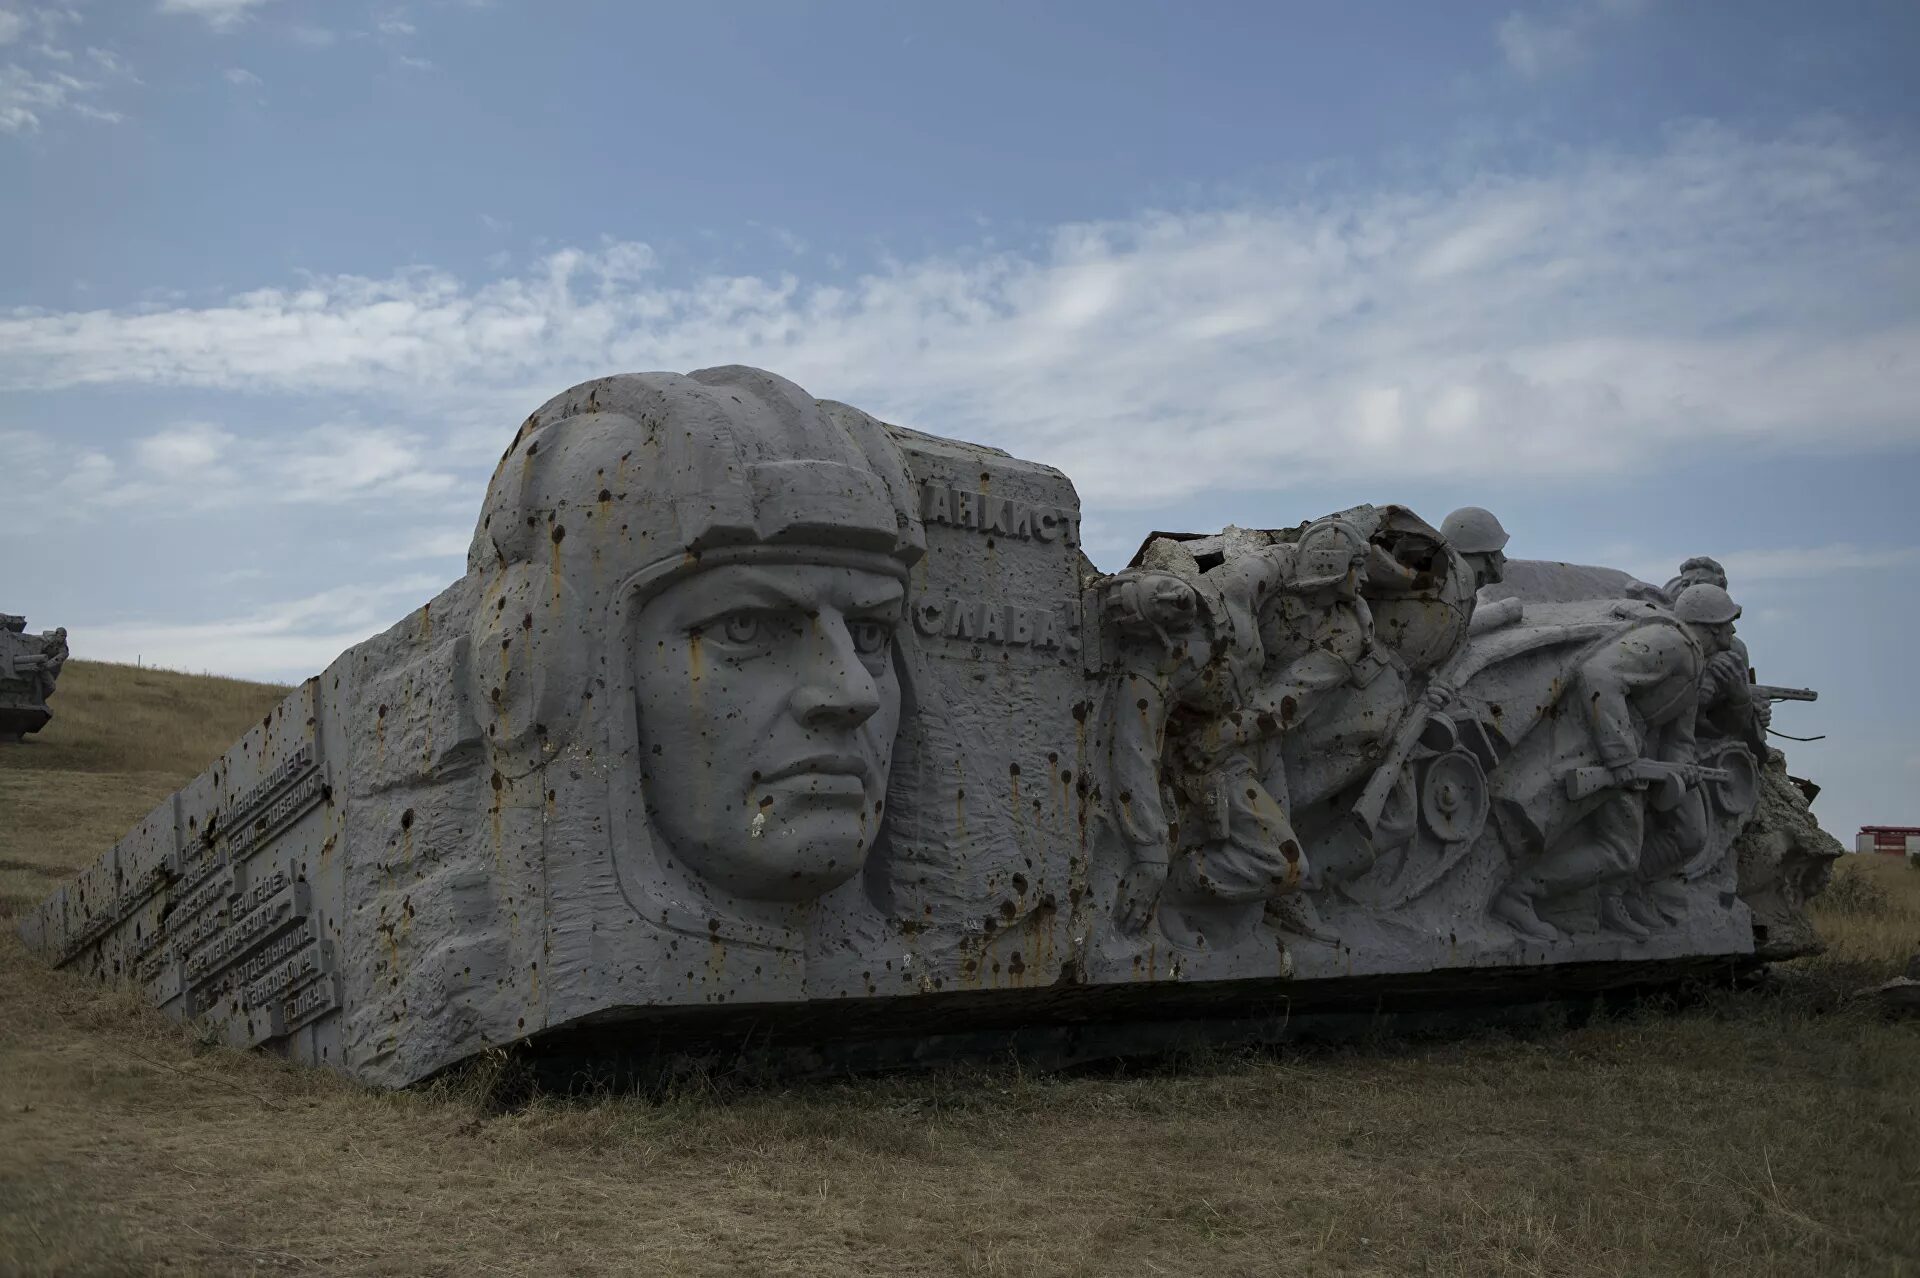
301 634
1775 564
221 15
241 78
1799 563
1601 316
50 78
1538 45
204 466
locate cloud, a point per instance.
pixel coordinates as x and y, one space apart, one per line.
1538 46
1799 563
27 97
188 450
1788 563
312 37
221 15
451 543
200 466
241 78
1604 314
50 79
301 634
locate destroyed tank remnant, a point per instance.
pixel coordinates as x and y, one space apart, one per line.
756 718
29 667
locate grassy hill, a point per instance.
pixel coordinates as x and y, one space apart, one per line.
1761 1133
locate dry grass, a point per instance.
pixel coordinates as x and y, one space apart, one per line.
1769 1132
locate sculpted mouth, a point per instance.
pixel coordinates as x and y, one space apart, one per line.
831 765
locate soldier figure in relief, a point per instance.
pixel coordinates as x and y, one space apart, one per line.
1632 704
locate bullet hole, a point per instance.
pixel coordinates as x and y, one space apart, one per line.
498 782
1020 884
1290 850
539 729
1013 769
559 533
495 694
960 794
533 448
383 712
1080 712
605 495
526 622
1287 708
1007 909
1016 965
406 819
1066 775
1141 703
1126 797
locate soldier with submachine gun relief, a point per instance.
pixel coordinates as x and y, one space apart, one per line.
1638 697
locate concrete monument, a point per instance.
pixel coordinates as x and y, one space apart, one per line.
751 709
29 667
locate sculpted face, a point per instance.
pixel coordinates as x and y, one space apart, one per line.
1489 567
768 703
1715 638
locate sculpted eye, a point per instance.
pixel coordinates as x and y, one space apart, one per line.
870 637
740 627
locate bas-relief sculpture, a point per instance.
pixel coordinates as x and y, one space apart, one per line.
748 698
29 667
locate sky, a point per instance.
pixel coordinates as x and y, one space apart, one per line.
279 279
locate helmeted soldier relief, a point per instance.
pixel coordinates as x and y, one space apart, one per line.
1635 701
726 561
1476 535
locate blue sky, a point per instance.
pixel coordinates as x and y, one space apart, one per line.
279 279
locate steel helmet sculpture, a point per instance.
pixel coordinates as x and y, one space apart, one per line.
755 715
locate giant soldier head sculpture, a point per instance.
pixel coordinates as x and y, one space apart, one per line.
712 568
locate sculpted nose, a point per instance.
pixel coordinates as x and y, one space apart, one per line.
835 689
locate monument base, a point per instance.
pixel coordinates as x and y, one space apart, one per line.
655 1048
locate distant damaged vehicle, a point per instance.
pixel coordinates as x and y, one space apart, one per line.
29 667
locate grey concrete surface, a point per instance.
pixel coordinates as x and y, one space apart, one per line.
749 700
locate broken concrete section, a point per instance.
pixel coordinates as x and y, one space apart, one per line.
751 707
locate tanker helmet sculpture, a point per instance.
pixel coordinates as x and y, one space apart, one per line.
754 714
725 562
